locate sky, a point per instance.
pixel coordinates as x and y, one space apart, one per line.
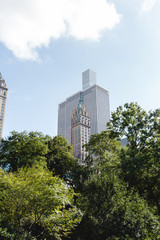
45 45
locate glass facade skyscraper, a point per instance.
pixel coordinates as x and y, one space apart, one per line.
96 102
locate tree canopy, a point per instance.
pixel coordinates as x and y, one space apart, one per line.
114 196
21 149
113 209
33 203
59 157
141 157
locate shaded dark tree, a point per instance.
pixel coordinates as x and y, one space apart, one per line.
111 209
60 158
141 157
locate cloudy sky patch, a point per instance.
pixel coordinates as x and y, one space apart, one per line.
149 4
118 39
29 24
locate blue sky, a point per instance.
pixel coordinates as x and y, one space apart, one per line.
45 45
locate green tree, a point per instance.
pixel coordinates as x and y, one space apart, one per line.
21 149
33 203
97 148
100 145
141 157
59 157
132 122
111 209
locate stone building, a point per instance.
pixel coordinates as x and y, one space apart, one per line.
80 131
3 99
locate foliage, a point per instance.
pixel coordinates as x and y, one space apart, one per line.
24 149
98 147
118 186
33 203
21 149
141 157
113 209
60 158
114 212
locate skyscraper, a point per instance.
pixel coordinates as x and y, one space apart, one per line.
3 98
96 102
80 131
88 79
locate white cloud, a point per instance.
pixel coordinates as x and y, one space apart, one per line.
29 24
148 5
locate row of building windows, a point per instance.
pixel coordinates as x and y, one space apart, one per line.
76 113
85 122
82 135
77 141
75 134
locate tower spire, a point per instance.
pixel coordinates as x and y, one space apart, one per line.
80 103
